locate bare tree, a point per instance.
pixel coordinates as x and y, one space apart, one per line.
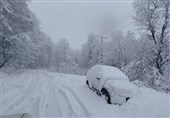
153 17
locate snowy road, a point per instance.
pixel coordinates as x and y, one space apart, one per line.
45 94
75 105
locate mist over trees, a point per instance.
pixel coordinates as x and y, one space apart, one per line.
146 58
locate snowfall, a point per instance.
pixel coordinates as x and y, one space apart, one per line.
40 93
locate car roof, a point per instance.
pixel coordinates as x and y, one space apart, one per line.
108 72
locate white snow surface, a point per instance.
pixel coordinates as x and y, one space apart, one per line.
39 93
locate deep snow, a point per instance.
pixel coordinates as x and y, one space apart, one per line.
46 94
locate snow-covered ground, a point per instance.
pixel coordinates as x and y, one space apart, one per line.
39 93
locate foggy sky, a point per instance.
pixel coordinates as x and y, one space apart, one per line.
74 20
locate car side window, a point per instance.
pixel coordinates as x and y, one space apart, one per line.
97 78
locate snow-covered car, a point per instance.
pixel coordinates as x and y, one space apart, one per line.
111 83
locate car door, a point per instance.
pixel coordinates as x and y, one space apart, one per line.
96 82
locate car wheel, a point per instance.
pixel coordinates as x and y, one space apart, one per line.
106 94
98 93
87 82
127 98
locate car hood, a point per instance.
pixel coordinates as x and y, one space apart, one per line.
122 88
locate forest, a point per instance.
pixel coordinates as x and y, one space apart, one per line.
144 58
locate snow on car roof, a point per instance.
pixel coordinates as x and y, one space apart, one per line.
108 72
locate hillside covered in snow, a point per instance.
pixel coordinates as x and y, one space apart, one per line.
39 93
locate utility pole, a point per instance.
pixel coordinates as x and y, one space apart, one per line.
101 47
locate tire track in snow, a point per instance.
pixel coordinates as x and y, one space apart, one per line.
39 90
68 93
80 104
53 96
67 102
32 94
23 96
66 109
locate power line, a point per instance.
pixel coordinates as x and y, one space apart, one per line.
125 25
117 25
123 20
110 29
113 26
